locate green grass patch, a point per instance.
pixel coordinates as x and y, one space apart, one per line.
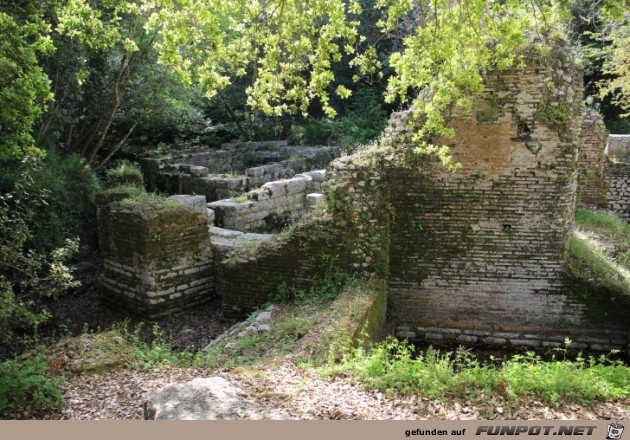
610 226
589 263
159 352
395 367
599 251
303 320
248 346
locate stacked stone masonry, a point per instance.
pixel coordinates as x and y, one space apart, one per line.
157 260
475 256
274 204
592 185
234 169
618 174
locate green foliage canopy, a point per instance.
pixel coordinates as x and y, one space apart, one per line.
24 87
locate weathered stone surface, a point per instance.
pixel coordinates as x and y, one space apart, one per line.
274 204
618 147
197 202
200 172
212 398
314 199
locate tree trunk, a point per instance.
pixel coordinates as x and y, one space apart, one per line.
124 66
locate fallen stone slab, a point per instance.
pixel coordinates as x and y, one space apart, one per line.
211 398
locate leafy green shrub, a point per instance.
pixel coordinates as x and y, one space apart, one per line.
324 290
149 355
29 382
24 272
125 174
395 366
554 115
69 188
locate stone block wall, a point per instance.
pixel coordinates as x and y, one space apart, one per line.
618 147
156 255
592 186
234 170
350 237
618 179
272 205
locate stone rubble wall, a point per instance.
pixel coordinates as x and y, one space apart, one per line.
273 204
247 279
475 256
618 147
592 185
472 256
618 179
157 259
350 237
617 169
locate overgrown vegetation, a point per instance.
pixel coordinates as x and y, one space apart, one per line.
363 122
599 252
125 174
395 367
297 312
29 382
25 273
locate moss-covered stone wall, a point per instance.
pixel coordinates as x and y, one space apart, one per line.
157 256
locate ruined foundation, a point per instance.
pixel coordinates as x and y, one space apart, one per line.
477 256
157 257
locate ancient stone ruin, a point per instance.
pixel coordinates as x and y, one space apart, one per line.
475 256
618 174
232 170
604 179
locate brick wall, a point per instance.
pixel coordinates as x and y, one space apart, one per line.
592 186
351 237
157 256
246 279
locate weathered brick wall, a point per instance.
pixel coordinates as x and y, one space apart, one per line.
485 246
157 256
246 279
618 179
592 186
352 237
